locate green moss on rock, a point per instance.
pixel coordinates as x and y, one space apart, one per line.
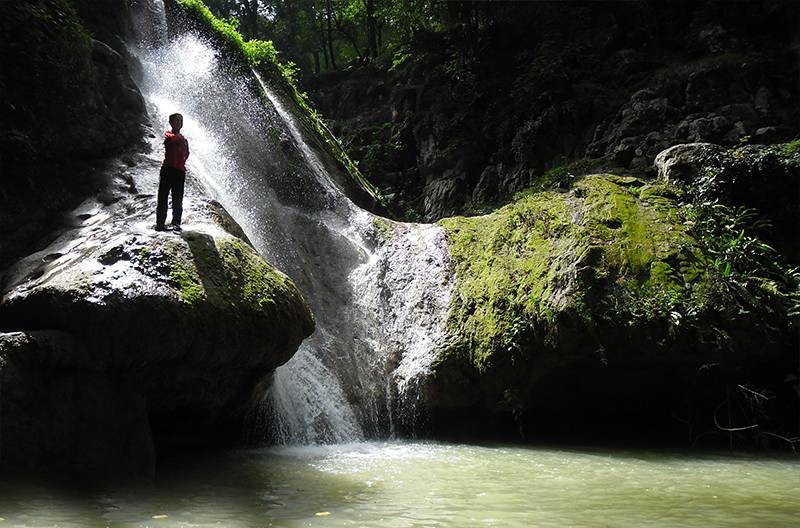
255 51
184 274
584 311
227 273
246 273
614 248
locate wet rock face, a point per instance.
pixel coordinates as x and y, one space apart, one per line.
608 80
119 338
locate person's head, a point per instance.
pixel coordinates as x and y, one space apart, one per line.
176 122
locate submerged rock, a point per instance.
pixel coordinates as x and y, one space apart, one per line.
120 339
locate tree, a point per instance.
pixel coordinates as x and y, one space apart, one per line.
328 33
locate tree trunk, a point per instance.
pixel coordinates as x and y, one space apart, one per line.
319 19
372 44
252 18
328 13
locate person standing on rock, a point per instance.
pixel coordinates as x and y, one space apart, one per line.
173 174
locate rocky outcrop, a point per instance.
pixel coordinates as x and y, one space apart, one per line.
67 99
455 127
119 340
682 163
62 80
580 312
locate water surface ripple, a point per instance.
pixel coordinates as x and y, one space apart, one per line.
414 484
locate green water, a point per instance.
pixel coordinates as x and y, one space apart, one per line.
427 484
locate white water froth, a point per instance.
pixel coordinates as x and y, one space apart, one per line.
300 415
379 300
397 288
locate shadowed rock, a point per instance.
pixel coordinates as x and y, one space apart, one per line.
119 338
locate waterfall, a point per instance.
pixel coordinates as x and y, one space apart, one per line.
379 290
149 22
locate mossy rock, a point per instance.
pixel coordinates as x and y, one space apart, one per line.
227 274
605 279
203 285
761 178
550 252
145 334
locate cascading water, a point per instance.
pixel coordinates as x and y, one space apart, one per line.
379 290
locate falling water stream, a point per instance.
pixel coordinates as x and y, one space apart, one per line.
379 290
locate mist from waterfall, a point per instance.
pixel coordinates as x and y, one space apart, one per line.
379 290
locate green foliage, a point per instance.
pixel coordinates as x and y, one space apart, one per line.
751 271
259 51
263 56
255 51
310 30
792 148
753 275
401 56
413 215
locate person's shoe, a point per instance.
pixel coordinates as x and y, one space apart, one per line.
175 227
160 227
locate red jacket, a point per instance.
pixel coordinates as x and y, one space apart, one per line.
176 150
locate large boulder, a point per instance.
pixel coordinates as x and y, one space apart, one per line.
120 340
577 314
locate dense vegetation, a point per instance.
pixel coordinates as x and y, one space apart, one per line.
460 123
322 35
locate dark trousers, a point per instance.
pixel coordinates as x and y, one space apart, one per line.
171 180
